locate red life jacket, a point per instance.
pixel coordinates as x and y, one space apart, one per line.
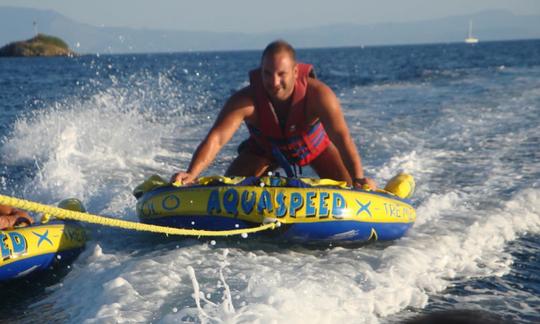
299 141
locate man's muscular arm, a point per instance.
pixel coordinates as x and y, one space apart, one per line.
237 108
327 108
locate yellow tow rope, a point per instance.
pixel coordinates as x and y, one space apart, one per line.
113 222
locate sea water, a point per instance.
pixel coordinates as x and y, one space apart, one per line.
464 120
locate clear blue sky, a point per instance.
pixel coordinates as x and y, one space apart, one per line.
256 16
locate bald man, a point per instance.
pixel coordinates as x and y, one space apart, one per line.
294 120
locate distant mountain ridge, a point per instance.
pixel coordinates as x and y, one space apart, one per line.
17 23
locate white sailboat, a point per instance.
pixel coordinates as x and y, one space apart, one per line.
470 39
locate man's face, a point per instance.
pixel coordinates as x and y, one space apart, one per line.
279 74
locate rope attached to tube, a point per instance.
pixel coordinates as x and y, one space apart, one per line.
114 222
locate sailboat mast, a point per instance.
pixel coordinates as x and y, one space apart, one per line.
470 39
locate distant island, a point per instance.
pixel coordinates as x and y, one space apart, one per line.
40 45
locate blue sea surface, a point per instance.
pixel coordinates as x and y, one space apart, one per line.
464 120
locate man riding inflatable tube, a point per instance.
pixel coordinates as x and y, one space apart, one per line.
293 119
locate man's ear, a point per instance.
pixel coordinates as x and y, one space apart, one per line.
295 71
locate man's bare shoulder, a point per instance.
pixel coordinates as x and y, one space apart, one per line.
320 95
241 99
241 105
319 89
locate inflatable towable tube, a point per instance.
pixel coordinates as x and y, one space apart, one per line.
39 246
309 210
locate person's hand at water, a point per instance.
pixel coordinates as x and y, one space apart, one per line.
362 183
11 217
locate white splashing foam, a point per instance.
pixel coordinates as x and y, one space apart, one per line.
96 149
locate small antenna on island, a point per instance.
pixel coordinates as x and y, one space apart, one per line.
35 28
